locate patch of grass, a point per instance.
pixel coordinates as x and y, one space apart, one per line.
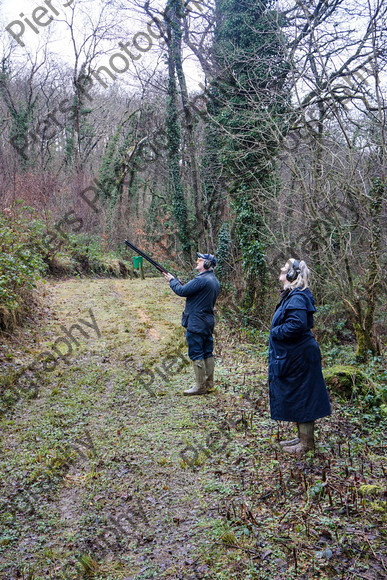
246 509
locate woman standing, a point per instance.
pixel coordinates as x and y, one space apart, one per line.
297 388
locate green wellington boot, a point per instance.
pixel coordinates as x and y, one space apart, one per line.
200 375
291 441
306 443
210 367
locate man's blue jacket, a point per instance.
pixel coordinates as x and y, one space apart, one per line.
201 294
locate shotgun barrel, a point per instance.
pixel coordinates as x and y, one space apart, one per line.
159 267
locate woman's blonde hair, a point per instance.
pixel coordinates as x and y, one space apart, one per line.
302 280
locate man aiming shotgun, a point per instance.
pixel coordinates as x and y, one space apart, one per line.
198 319
198 316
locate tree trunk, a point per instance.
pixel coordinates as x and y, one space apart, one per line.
189 122
365 335
172 19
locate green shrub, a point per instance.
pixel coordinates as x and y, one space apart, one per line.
350 382
345 379
21 259
90 257
29 250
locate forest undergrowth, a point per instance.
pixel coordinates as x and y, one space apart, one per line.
108 472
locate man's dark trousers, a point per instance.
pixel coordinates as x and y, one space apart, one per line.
200 346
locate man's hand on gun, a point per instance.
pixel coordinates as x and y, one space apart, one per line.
168 276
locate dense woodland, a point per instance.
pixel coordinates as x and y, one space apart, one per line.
281 150
251 129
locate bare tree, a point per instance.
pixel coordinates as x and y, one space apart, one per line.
334 165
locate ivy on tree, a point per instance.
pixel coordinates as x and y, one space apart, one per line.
250 103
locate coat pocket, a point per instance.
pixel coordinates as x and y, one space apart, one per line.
279 365
184 319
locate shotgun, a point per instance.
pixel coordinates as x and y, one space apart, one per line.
158 266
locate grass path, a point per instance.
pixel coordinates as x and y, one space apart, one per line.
130 441
93 473
102 478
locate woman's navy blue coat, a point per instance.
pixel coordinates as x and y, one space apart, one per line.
297 388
